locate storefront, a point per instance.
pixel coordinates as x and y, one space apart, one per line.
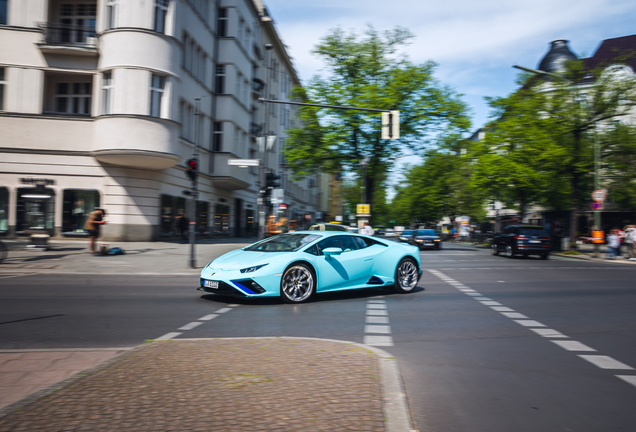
4 211
76 207
221 220
35 211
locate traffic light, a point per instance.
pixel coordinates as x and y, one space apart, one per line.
191 169
271 181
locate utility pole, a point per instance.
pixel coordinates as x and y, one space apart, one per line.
193 201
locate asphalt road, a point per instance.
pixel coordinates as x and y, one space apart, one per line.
468 364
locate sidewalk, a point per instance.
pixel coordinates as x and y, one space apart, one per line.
244 384
587 253
143 258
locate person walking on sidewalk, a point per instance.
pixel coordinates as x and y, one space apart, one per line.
613 243
630 241
182 226
93 223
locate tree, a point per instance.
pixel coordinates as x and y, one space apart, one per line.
545 132
369 72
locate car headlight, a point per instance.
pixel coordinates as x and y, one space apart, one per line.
436 240
252 269
419 241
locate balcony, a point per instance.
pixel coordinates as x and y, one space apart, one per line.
70 39
228 177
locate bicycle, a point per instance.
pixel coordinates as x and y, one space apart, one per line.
4 251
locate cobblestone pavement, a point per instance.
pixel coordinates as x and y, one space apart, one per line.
275 384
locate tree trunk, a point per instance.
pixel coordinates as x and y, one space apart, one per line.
576 183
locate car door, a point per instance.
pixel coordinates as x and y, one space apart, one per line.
352 267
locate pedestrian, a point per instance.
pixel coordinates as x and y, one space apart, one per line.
93 224
621 239
367 230
271 227
613 244
282 225
182 226
630 241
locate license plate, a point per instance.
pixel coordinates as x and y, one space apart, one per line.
535 241
212 284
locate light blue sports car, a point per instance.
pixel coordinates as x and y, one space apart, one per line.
296 265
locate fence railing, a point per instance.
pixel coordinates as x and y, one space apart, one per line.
68 35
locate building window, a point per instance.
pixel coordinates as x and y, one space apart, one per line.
73 98
107 93
2 84
202 217
35 210
77 22
111 14
171 207
161 11
3 11
221 220
217 137
4 210
156 93
237 85
221 22
219 79
77 206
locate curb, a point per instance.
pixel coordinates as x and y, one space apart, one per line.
585 257
396 407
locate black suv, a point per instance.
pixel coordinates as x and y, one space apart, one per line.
426 239
522 240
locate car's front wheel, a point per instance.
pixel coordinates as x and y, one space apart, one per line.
298 284
405 276
510 253
495 251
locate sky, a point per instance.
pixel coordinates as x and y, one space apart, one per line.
474 42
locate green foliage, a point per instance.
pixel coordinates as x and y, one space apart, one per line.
369 72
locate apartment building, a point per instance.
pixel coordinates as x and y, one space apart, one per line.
102 103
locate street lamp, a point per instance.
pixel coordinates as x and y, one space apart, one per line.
597 153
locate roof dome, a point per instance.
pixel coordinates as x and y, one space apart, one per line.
554 60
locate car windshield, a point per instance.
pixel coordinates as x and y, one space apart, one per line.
407 233
331 227
283 243
425 233
532 232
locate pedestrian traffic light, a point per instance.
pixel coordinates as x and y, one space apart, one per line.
191 169
271 181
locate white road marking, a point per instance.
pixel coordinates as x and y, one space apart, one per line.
381 329
208 317
546 332
376 306
491 303
631 379
377 312
601 361
191 325
515 315
376 320
530 323
233 305
571 345
223 310
376 302
378 340
605 362
473 294
168 336
467 290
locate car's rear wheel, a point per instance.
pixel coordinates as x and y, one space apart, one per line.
545 256
494 249
298 284
405 276
510 253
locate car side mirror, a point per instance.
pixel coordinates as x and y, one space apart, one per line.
331 251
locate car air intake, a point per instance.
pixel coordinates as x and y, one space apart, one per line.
375 281
249 286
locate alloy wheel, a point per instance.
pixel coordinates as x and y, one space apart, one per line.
297 284
406 275
509 253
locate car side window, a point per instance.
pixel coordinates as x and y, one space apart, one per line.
346 243
361 242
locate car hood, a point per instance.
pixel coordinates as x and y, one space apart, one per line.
427 237
240 259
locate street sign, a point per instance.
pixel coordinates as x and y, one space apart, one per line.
598 195
598 236
363 209
597 205
244 162
391 125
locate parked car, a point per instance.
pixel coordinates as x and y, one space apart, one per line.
522 240
426 239
353 229
389 233
327 227
405 236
